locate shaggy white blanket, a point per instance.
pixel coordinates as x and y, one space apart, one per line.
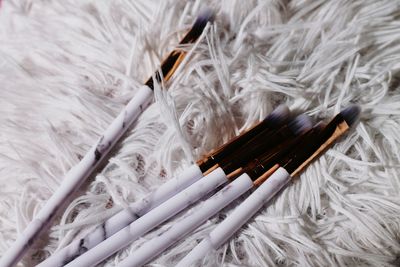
68 67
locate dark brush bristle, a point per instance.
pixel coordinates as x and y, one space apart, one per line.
351 114
203 18
279 115
300 124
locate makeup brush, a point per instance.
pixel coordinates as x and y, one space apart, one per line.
77 175
247 180
311 148
272 122
165 211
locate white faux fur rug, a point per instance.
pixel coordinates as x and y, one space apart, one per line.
68 67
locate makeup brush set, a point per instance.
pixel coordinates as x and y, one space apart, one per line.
261 161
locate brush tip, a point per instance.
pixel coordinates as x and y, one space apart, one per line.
279 115
351 114
301 124
205 16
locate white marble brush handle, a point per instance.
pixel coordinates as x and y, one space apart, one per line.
237 218
124 218
77 175
151 219
157 245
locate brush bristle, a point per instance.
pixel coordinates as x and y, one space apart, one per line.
351 114
301 124
279 115
205 16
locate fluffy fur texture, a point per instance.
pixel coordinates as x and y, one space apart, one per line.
68 67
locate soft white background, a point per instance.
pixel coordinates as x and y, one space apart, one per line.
68 67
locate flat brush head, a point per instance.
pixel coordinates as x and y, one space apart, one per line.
351 114
300 124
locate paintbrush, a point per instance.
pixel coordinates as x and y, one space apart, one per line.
273 121
79 173
290 166
176 204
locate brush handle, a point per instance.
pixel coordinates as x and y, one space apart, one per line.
238 217
77 175
151 219
124 218
157 245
